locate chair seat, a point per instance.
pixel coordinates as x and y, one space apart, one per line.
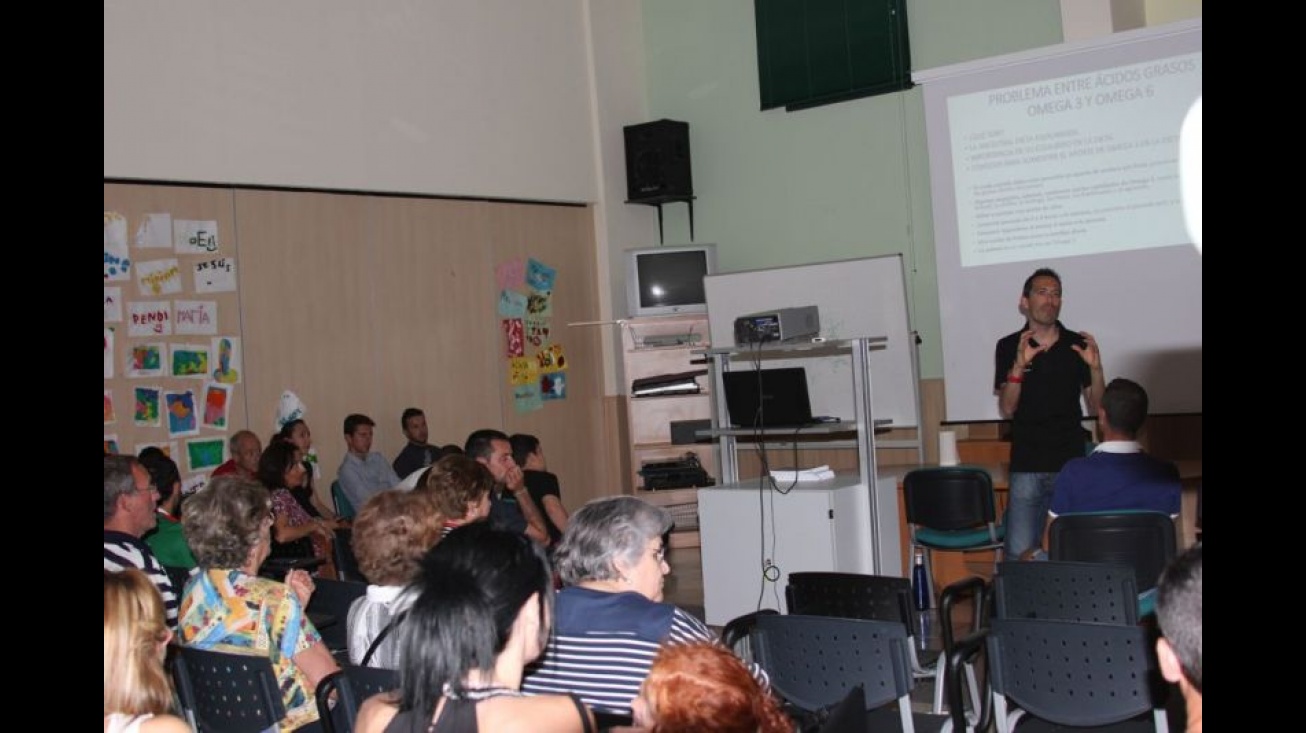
977 539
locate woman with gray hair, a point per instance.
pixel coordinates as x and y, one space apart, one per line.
610 619
227 607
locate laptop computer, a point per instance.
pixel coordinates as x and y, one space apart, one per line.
769 398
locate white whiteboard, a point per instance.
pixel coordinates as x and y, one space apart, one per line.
856 299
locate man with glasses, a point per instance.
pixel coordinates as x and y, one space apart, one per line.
130 500
1041 373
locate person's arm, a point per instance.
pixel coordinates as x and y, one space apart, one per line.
282 532
353 483
375 715
515 481
1097 379
556 511
322 508
391 478
316 663
1009 392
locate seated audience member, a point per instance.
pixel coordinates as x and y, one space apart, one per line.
1179 612
704 687
417 453
511 506
482 613
297 433
245 450
1118 475
459 489
542 485
610 619
295 533
129 512
363 473
392 532
137 689
229 608
166 540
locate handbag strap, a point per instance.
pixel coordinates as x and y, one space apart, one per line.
376 643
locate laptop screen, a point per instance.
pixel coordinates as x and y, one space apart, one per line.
768 398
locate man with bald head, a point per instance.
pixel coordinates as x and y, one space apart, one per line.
245 449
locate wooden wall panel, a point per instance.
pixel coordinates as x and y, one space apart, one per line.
134 201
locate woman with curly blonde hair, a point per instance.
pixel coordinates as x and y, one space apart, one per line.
137 695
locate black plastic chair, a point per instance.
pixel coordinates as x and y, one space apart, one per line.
1067 591
331 600
736 634
1144 541
227 693
813 661
342 551
1066 673
849 716
951 509
352 685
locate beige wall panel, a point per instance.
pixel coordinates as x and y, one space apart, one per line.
310 318
134 201
438 346
571 430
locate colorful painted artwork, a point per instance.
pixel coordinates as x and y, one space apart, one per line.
228 350
180 408
539 276
194 237
510 275
145 406
537 331
111 444
217 401
553 386
117 262
190 361
154 232
522 370
204 453
145 360
526 397
514 337
551 358
109 416
539 304
512 304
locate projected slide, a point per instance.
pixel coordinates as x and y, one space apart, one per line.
1075 165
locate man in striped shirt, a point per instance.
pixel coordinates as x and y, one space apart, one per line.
130 500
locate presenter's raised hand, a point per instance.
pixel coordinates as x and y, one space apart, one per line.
1028 350
1088 351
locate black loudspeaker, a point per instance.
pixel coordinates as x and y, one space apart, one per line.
657 161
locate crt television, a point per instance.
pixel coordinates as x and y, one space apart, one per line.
668 280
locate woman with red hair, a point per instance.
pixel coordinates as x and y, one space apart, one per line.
702 686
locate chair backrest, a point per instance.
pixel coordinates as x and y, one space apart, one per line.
344 508
1144 541
1071 673
736 635
331 599
1067 591
849 716
813 660
955 497
851 595
227 693
343 555
352 685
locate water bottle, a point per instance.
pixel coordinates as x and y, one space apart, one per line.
919 584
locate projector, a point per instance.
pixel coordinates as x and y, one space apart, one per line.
782 324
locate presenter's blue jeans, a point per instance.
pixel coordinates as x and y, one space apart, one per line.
1029 495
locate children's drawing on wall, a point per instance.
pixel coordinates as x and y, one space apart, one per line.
111 443
145 360
204 453
539 304
108 353
146 318
216 275
116 260
539 276
227 369
513 337
145 406
512 304
510 274
526 397
551 358
109 416
522 370
195 482
180 408
158 277
112 304
553 386
537 331
195 317
217 401
190 360
154 232
194 237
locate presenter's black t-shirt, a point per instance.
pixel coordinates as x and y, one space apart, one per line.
1046 428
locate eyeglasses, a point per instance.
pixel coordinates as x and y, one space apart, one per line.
660 554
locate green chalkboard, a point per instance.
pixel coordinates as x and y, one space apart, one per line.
814 52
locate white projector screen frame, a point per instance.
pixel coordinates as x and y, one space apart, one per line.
1130 273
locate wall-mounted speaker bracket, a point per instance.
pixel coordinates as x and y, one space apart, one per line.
658 201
